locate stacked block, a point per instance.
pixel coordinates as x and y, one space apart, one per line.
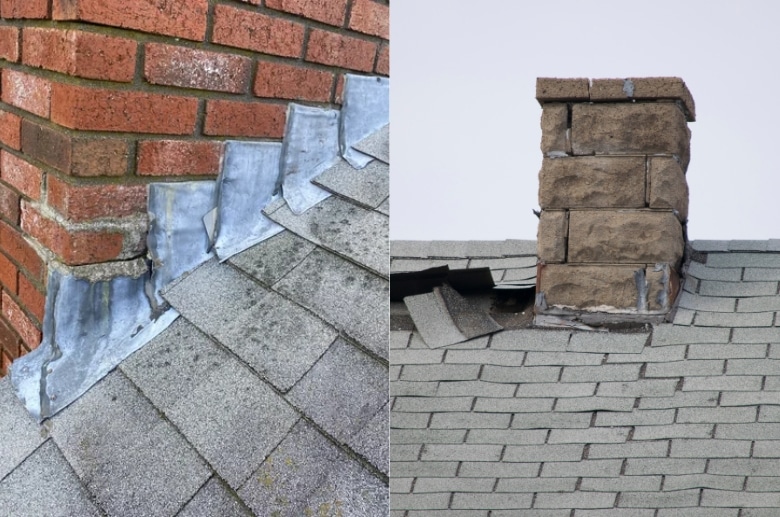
613 194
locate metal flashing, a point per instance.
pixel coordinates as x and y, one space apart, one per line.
88 329
310 146
366 109
248 182
178 241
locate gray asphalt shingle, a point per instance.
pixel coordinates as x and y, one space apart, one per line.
656 419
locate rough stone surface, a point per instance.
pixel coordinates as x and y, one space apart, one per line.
554 124
625 236
553 89
553 229
589 286
646 128
667 185
592 182
644 88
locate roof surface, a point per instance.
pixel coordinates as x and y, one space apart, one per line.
246 404
678 419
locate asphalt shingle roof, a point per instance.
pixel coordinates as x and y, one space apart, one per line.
675 419
268 396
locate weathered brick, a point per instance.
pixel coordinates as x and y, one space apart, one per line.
85 202
20 174
592 182
80 53
9 204
330 48
626 236
254 31
644 128
30 334
179 18
28 92
178 158
8 274
75 155
370 17
10 129
330 12
549 89
667 187
76 247
99 109
173 65
589 286
278 80
552 236
555 137
383 60
234 118
17 248
9 43
36 9
31 298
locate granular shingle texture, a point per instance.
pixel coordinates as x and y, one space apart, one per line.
677 419
267 396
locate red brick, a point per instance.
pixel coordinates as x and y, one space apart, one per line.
9 204
75 155
38 9
383 61
178 158
9 43
328 11
10 129
23 176
370 17
20 322
189 68
180 18
253 2
80 203
254 31
229 118
292 82
75 247
99 109
339 93
28 92
31 298
9 341
18 249
8 274
334 49
79 53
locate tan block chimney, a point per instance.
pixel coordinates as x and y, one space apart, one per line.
613 195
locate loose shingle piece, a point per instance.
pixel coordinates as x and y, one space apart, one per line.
672 419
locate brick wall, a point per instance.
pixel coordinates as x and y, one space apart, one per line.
613 194
100 97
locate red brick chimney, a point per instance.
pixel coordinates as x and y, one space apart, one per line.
613 195
102 97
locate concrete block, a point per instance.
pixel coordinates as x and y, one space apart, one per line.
551 237
555 138
551 89
642 128
667 187
589 286
625 236
592 182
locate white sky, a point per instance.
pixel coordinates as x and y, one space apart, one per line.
465 123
